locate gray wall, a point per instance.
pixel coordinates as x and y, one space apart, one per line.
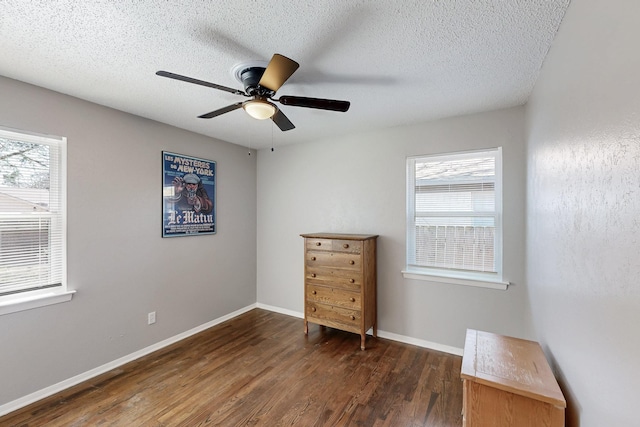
583 208
357 184
117 261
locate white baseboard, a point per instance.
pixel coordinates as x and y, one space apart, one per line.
382 334
291 313
421 343
63 385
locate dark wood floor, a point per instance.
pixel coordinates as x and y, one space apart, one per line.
259 369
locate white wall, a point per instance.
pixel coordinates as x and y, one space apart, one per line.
117 261
357 184
584 209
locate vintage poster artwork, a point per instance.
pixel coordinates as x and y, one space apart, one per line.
188 193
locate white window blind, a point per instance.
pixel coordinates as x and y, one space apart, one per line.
454 213
32 212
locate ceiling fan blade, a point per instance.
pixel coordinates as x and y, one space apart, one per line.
221 111
199 82
321 104
278 71
282 121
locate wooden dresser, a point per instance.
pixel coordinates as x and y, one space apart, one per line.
340 282
508 382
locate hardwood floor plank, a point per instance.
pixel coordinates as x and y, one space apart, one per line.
259 369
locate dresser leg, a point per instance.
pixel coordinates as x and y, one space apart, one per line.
362 338
306 328
375 330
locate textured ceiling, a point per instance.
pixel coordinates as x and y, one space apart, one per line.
398 62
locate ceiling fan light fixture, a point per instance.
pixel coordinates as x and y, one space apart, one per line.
259 109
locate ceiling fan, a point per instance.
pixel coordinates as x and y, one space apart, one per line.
261 84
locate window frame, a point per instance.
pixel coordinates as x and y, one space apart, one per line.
453 276
44 295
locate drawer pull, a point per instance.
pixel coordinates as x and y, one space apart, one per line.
352 262
353 317
352 299
314 292
318 243
313 309
313 274
346 246
313 258
352 280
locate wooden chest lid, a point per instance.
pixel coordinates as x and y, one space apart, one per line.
511 364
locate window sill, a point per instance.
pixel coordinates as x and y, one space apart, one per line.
16 304
478 283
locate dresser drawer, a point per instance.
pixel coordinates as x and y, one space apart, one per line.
331 314
333 296
334 245
334 260
347 279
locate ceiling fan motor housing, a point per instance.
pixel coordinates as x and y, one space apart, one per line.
250 78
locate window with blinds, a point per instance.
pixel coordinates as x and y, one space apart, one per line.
454 214
32 213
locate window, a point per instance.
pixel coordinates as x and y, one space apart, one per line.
32 220
454 226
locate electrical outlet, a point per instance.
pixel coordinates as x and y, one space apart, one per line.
151 318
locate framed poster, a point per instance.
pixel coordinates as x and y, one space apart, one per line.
188 195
